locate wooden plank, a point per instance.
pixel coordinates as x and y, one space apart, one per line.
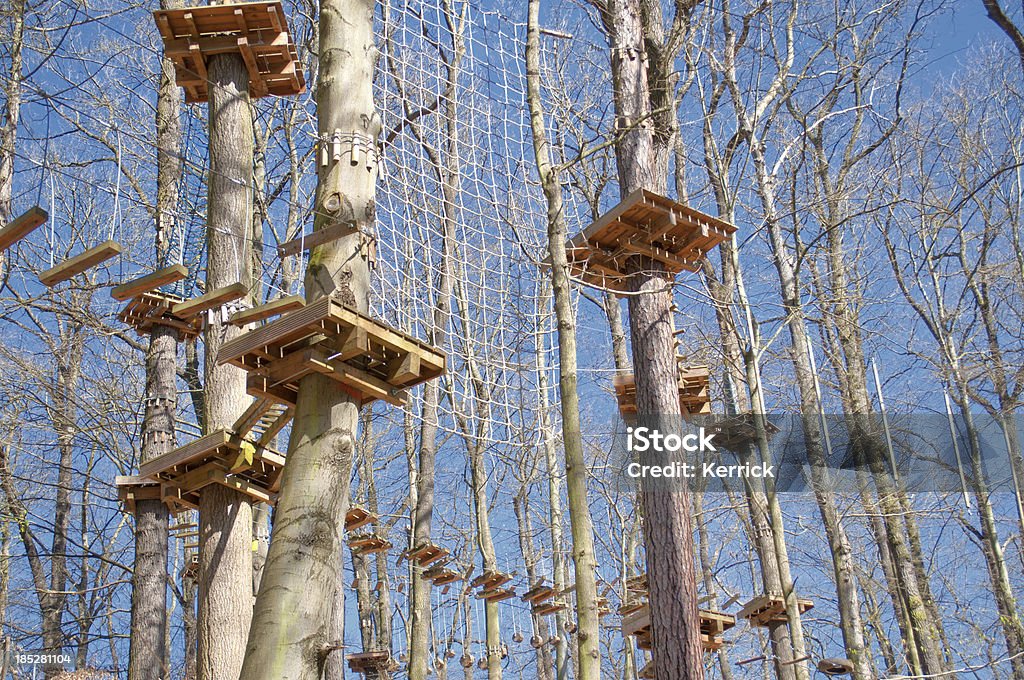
275 427
211 300
186 453
366 384
281 331
80 263
298 365
316 238
267 310
259 386
246 487
404 369
21 226
245 422
157 279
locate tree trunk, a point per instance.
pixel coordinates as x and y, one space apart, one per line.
671 574
289 638
12 114
225 515
581 523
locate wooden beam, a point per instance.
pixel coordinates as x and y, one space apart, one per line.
317 238
211 300
80 263
157 279
22 226
267 310
404 369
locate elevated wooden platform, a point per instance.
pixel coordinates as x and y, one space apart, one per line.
440 576
21 226
538 593
765 609
644 224
712 626
152 309
191 569
131 489
496 594
80 263
357 518
427 554
257 31
371 662
835 666
220 457
694 396
368 544
368 359
546 608
489 580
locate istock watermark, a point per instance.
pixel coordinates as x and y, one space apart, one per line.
922 452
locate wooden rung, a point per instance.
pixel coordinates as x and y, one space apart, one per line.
157 279
208 301
266 310
545 608
21 226
491 579
80 263
317 238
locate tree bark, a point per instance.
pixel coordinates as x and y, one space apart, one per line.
289 635
225 515
581 523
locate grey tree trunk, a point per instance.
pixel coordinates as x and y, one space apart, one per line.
581 523
148 654
11 115
225 515
289 637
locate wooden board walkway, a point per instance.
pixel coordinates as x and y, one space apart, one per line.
80 263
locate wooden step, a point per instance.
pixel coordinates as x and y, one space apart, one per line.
766 609
496 594
546 608
80 263
357 517
538 593
266 311
367 544
490 580
212 300
21 226
426 554
149 282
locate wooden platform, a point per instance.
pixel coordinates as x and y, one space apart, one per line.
21 226
538 593
644 224
427 554
765 609
368 359
368 544
490 580
221 457
833 667
712 625
191 568
372 661
440 576
496 594
80 263
357 518
694 397
257 31
154 309
546 608
131 489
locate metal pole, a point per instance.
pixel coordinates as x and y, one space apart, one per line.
885 421
956 447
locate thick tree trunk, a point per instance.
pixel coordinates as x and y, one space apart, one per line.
581 523
225 515
289 637
671 572
12 114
